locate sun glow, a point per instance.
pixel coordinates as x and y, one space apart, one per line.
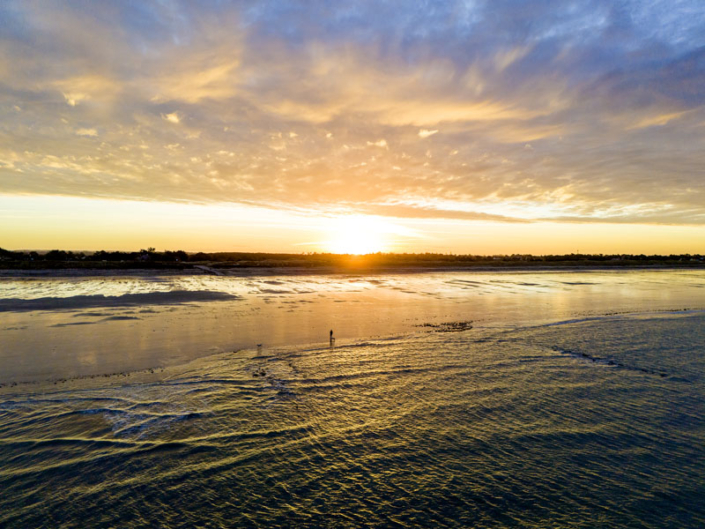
359 235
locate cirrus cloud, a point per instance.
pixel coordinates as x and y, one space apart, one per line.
610 99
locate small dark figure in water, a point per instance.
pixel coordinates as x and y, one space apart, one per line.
332 339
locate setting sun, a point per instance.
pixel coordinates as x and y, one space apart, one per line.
358 235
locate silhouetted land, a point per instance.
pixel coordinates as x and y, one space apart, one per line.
150 259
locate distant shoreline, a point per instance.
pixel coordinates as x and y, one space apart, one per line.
150 261
249 271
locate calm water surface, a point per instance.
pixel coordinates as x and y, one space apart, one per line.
68 327
571 400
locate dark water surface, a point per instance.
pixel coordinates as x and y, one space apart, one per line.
592 422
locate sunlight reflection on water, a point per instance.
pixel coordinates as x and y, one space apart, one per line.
137 322
483 427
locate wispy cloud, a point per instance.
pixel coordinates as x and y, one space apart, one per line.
172 118
87 132
304 108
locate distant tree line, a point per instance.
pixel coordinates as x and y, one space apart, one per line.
150 258
61 255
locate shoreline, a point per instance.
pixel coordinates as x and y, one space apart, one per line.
266 271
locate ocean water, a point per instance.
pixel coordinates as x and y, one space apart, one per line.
66 327
526 400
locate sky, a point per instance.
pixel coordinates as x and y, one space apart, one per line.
477 126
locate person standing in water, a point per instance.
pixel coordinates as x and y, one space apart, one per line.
332 340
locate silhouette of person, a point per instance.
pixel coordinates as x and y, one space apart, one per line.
332 340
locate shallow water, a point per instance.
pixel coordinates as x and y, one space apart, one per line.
67 327
565 405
